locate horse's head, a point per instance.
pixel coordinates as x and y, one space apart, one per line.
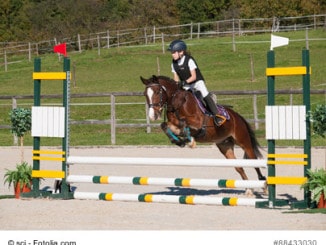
156 93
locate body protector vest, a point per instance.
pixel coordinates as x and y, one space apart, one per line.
183 70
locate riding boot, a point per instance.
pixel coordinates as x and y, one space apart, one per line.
218 119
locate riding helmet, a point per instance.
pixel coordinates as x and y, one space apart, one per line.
177 45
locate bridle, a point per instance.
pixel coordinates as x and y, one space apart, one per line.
161 103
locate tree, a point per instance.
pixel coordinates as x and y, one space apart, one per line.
11 19
153 13
21 122
34 20
201 10
115 12
64 18
275 8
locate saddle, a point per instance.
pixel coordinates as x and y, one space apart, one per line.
221 109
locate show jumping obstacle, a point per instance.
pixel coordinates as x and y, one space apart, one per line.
53 122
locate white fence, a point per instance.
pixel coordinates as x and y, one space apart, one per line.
254 115
11 52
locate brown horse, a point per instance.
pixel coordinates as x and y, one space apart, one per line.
187 123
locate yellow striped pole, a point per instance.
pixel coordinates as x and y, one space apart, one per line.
151 198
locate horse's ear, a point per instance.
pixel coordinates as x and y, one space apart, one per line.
145 81
155 79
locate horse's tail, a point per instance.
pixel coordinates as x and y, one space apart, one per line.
253 139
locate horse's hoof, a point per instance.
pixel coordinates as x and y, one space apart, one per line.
249 192
180 144
265 189
192 143
262 178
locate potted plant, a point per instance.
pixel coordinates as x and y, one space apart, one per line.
21 122
21 178
318 119
316 184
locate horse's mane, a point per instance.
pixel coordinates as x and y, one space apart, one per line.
165 78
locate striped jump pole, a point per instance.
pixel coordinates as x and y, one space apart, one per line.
194 200
256 163
184 182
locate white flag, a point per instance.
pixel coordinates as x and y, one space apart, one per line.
277 41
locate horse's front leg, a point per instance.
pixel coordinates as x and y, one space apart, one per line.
178 136
173 133
188 138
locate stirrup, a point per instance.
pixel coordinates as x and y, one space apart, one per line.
219 120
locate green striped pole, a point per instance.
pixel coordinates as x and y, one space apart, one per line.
184 182
65 141
177 199
36 140
271 142
306 102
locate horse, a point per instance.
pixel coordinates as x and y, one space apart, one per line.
187 123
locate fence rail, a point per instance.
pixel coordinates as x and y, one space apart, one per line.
11 52
114 121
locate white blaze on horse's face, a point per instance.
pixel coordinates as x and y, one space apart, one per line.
151 112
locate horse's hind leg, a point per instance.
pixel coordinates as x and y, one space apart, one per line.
249 154
260 175
227 149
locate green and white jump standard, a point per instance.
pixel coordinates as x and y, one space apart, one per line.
287 123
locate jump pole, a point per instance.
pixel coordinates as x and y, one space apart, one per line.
184 182
217 201
194 162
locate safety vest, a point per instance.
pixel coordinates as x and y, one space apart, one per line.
183 70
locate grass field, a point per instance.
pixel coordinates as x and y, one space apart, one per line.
119 69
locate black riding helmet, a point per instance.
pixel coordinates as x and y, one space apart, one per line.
177 45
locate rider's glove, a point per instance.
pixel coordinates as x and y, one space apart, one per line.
182 84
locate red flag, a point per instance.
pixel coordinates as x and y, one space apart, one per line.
61 49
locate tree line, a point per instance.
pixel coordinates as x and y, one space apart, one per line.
34 20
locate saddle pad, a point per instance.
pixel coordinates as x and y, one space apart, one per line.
221 110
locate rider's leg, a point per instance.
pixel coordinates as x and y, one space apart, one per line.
218 119
200 86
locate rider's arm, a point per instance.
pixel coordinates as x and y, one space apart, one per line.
192 67
175 75
192 78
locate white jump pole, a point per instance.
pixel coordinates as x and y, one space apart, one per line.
184 182
195 162
225 201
